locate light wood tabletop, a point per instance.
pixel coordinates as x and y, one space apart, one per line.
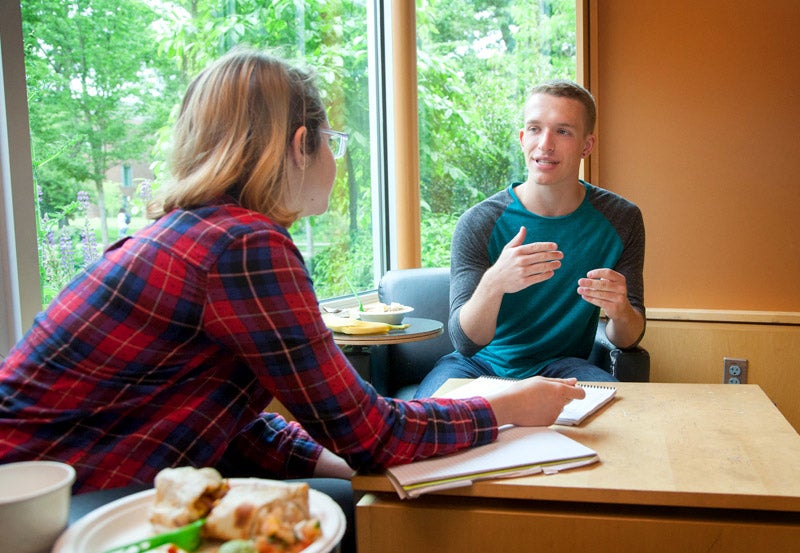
686 445
683 467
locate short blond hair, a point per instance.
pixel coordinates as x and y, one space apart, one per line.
234 132
564 88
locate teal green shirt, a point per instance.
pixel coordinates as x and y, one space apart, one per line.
549 320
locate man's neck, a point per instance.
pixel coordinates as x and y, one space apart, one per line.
551 200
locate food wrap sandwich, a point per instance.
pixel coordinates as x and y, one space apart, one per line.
185 494
272 516
257 509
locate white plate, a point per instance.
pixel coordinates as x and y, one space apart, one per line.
127 520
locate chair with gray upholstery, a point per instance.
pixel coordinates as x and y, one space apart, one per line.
396 370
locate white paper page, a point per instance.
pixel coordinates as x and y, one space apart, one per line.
515 447
574 412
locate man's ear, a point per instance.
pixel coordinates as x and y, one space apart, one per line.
588 145
298 148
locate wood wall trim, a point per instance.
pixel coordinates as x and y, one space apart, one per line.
585 49
723 316
586 38
404 56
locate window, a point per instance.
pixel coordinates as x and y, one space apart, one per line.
104 79
475 66
475 61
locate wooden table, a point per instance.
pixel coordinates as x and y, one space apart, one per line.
683 468
419 329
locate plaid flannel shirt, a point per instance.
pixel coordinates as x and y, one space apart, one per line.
167 351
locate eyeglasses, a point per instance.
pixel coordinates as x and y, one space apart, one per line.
337 142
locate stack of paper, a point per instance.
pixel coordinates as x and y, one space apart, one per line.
518 451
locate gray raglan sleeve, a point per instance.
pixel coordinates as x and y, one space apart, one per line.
626 218
631 262
635 265
469 259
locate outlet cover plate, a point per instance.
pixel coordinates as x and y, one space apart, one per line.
735 371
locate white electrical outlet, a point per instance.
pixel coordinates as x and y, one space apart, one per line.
735 371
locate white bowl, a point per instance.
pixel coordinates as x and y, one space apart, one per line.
394 317
34 504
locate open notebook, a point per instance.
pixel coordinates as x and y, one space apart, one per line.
574 412
518 451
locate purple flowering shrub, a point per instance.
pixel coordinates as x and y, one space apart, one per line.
68 240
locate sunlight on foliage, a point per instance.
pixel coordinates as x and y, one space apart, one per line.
105 79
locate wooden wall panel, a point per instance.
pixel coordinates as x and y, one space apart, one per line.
698 120
687 351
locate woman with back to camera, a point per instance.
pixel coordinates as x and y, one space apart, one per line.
167 350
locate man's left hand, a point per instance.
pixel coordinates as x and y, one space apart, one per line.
606 289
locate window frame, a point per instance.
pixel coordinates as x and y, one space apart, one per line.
20 287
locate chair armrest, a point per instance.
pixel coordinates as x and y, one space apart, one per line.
630 365
397 369
627 365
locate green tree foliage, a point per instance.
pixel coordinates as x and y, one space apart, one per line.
477 60
105 78
94 94
331 38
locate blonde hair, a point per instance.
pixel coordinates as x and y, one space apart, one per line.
234 132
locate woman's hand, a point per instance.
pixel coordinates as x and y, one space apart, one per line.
535 401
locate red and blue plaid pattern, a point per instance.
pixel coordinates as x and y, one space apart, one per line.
167 350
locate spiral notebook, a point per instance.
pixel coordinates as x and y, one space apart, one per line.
574 413
518 451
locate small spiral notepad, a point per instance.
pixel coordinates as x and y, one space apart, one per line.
574 413
578 409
